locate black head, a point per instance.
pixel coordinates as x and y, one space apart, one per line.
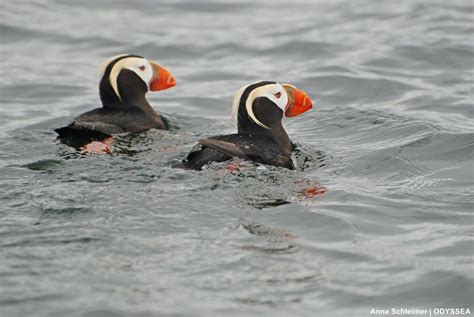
259 107
125 79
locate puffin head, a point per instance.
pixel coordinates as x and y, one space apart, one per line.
263 104
125 77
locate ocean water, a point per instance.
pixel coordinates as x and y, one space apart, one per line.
386 153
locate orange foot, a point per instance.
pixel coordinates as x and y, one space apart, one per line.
313 191
234 167
103 146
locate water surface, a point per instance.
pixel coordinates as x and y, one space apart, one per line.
391 139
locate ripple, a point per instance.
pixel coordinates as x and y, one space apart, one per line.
43 165
25 300
264 230
12 33
150 50
271 250
28 94
295 47
364 90
44 241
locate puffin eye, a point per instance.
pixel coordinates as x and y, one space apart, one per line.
278 94
142 68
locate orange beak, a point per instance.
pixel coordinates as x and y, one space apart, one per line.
162 78
298 101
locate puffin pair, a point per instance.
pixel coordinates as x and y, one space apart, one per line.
257 109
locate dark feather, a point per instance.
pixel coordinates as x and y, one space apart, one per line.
261 149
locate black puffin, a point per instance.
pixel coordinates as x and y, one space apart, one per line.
258 110
124 81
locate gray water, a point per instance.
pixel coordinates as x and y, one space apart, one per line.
390 140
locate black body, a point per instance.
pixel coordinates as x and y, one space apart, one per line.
252 142
131 114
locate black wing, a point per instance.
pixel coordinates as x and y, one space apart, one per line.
261 149
98 124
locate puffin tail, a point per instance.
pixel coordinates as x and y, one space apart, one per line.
77 137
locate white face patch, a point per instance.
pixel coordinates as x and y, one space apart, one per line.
139 66
104 64
275 92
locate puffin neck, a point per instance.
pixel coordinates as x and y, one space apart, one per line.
277 133
263 108
132 93
107 94
246 126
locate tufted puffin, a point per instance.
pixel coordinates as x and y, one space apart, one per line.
124 81
258 110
